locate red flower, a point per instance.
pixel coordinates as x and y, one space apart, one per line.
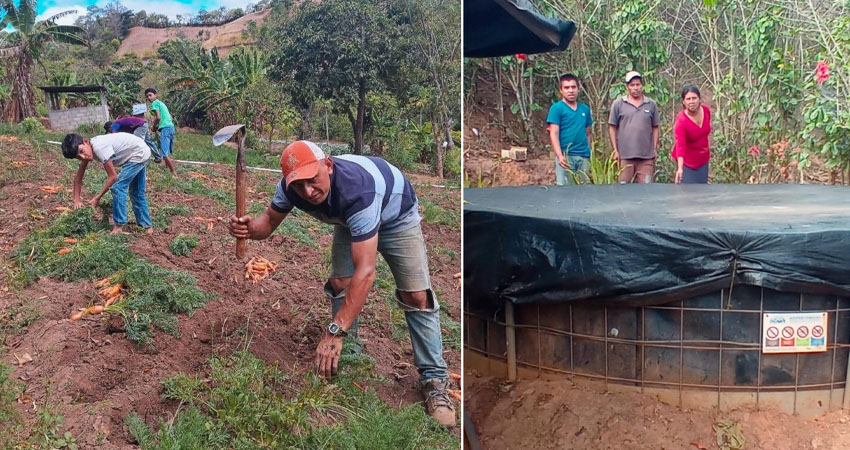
822 71
754 150
521 56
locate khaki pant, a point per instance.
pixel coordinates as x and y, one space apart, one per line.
637 170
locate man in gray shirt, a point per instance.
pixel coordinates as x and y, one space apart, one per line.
633 129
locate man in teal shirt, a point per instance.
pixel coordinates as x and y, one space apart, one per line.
569 132
162 122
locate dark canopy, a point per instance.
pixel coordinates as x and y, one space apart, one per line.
506 27
650 244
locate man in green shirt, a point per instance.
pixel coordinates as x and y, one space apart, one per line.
162 122
568 124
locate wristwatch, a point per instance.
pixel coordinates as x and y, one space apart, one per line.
336 330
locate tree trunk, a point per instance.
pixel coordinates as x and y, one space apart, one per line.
443 151
22 102
361 117
305 130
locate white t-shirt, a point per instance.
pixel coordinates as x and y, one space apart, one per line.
121 148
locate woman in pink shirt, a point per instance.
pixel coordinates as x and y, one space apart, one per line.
690 133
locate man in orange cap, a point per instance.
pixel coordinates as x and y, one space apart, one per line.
373 209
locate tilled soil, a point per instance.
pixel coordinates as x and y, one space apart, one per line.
88 371
579 414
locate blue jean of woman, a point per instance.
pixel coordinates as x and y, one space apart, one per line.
131 178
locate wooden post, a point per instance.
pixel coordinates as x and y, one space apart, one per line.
846 405
511 340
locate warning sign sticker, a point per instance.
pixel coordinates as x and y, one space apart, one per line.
794 332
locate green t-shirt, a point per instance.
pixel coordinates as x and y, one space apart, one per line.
164 115
572 127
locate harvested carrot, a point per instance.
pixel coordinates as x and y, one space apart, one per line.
114 299
64 251
259 268
455 394
110 291
70 241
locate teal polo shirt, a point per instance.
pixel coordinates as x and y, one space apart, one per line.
572 124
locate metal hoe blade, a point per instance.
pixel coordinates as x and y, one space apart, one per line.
223 135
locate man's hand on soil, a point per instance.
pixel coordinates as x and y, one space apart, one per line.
238 227
327 355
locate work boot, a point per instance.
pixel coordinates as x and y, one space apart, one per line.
437 402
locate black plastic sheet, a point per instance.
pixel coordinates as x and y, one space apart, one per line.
506 27
652 244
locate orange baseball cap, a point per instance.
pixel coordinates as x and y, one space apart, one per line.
300 161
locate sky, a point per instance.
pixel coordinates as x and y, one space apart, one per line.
171 8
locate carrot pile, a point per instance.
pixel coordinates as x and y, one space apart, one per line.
259 268
111 293
52 189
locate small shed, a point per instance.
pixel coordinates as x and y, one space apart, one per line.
71 118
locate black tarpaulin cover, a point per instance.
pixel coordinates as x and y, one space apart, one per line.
651 244
506 27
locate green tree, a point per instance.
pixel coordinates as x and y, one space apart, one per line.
29 39
342 51
437 42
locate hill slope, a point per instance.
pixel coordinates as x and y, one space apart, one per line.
144 41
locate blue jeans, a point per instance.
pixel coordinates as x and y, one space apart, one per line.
144 133
579 166
166 140
405 254
132 178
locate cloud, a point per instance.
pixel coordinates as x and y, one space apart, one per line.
169 8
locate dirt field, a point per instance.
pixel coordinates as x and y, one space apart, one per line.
579 414
89 373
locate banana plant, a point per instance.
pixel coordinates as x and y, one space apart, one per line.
27 42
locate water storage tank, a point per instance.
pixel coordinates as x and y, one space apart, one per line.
631 285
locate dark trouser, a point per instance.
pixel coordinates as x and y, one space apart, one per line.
637 170
695 176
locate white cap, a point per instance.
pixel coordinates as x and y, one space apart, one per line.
632 74
140 108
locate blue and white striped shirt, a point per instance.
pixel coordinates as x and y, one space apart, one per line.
367 195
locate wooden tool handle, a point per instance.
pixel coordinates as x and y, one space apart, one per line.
241 244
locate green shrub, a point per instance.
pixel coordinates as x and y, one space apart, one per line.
242 402
90 129
182 245
31 125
